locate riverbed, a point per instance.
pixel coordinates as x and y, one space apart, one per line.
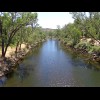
52 65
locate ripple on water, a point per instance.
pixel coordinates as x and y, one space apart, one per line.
64 83
54 67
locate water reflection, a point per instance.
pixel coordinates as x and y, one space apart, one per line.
52 65
78 60
23 71
2 81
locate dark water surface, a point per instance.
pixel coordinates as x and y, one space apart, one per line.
50 65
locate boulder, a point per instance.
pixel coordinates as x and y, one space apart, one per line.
1 73
23 54
95 56
5 69
0 64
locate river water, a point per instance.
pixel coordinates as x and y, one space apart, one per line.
51 65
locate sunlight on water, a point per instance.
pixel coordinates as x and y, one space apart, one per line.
50 65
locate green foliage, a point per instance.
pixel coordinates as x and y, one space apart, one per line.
88 47
19 27
84 26
83 45
15 29
96 49
70 43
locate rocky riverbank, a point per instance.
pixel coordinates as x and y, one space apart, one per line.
8 64
95 57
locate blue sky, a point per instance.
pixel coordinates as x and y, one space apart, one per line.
52 19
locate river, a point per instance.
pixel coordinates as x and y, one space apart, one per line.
51 65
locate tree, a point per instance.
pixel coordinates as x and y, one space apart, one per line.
10 23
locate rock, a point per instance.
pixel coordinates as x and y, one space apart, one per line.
20 57
16 59
5 69
1 58
98 59
23 54
94 54
95 57
0 68
0 64
1 73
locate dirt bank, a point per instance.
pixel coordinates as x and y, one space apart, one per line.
93 56
11 60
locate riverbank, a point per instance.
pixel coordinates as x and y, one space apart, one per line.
84 49
8 64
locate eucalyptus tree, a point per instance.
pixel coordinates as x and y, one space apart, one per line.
11 23
89 23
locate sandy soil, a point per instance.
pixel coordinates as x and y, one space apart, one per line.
97 43
11 50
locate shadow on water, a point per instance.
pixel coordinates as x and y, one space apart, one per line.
80 60
3 81
22 73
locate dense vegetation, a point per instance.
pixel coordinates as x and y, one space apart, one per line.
84 33
17 28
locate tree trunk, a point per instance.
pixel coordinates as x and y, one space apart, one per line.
3 53
5 50
10 38
16 48
2 40
20 46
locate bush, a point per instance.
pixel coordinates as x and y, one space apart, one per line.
84 45
96 49
69 43
80 45
88 47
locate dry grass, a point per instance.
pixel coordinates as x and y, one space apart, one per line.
96 43
11 50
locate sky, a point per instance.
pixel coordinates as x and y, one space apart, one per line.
52 19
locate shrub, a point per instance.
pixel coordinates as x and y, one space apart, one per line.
84 45
88 47
96 49
69 43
